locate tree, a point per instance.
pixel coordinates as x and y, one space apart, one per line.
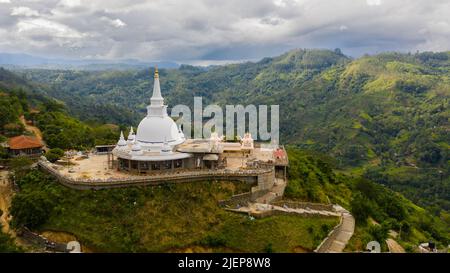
268 248
430 154
30 209
405 229
378 232
53 106
13 129
3 152
19 166
54 154
360 207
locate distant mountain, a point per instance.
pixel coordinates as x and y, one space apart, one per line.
16 61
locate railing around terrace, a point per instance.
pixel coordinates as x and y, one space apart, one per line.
157 177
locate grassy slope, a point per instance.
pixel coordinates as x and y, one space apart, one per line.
170 218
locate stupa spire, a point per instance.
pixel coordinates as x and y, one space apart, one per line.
121 141
157 99
131 136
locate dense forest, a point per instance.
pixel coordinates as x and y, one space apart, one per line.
60 130
385 116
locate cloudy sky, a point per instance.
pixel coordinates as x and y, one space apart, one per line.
205 31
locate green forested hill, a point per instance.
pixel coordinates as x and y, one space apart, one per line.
20 97
384 116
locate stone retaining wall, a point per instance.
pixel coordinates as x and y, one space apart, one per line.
249 176
268 213
242 199
303 205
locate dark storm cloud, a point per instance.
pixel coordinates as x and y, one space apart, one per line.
201 30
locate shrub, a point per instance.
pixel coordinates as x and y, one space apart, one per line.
31 210
360 207
54 154
378 232
268 248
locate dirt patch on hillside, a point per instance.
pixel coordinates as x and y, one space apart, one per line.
59 236
5 202
300 249
202 249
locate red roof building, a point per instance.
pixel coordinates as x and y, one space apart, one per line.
25 145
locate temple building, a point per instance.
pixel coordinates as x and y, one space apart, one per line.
158 152
159 145
25 146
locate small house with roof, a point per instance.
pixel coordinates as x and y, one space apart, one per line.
25 145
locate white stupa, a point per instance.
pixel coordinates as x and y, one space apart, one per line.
157 127
136 148
157 134
121 143
131 136
160 146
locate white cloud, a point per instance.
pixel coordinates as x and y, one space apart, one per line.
216 31
5 1
117 23
42 27
280 3
70 3
373 2
23 11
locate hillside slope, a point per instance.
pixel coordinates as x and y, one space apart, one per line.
187 217
168 218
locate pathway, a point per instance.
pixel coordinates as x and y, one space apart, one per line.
336 240
261 208
394 247
35 130
340 235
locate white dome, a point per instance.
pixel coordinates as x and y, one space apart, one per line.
157 130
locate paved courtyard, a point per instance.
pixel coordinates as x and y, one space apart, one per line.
96 166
